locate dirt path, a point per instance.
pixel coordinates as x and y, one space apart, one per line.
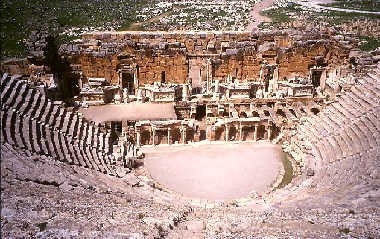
215 172
257 18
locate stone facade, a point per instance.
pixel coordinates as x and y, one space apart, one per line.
196 57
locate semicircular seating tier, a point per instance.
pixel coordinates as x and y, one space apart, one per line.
32 122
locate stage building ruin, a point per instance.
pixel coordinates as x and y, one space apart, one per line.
231 86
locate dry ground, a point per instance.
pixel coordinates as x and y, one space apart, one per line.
215 172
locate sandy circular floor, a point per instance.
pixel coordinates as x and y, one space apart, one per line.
215 172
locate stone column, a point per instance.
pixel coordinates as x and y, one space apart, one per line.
322 80
169 139
138 137
266 130
240 132
275 80
139 96
135 80
80 81
213 136
227 132
269 132
153 136
255 133
185 95
120 78
183 135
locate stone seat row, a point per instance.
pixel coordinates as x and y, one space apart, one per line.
354 170
358 136
31 102
346 128
29 113
28 134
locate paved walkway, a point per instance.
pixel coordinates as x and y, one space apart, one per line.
315 4
257 18
131 111
215 172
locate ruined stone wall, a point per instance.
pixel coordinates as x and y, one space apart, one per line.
239 54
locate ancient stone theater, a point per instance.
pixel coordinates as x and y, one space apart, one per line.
184 133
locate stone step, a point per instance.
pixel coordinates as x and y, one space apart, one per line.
362 105
356 148
44 145
53 115
44 117
12 93
79 158
367 133
33 134
5 79
374 126
371 86
20 98
346 104
367 95
352 104
41 107
345 114
336 148
30 104
360 98
7 90
74 126
362 139
66 123
9 127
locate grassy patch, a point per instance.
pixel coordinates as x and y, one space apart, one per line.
369 43
42 226
288 176
366 5
20 17
280 15
334 17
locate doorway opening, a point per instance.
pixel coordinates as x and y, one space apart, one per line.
163 77
128 83
316 78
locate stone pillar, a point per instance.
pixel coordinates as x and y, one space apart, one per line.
269 131
169 139
183 135
153 136
322 81
275 80
135 79
216 94
240 132
119 78
138 137
139 96
216 86
255 133
212 133
266 130
80 81
185 95
227 132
